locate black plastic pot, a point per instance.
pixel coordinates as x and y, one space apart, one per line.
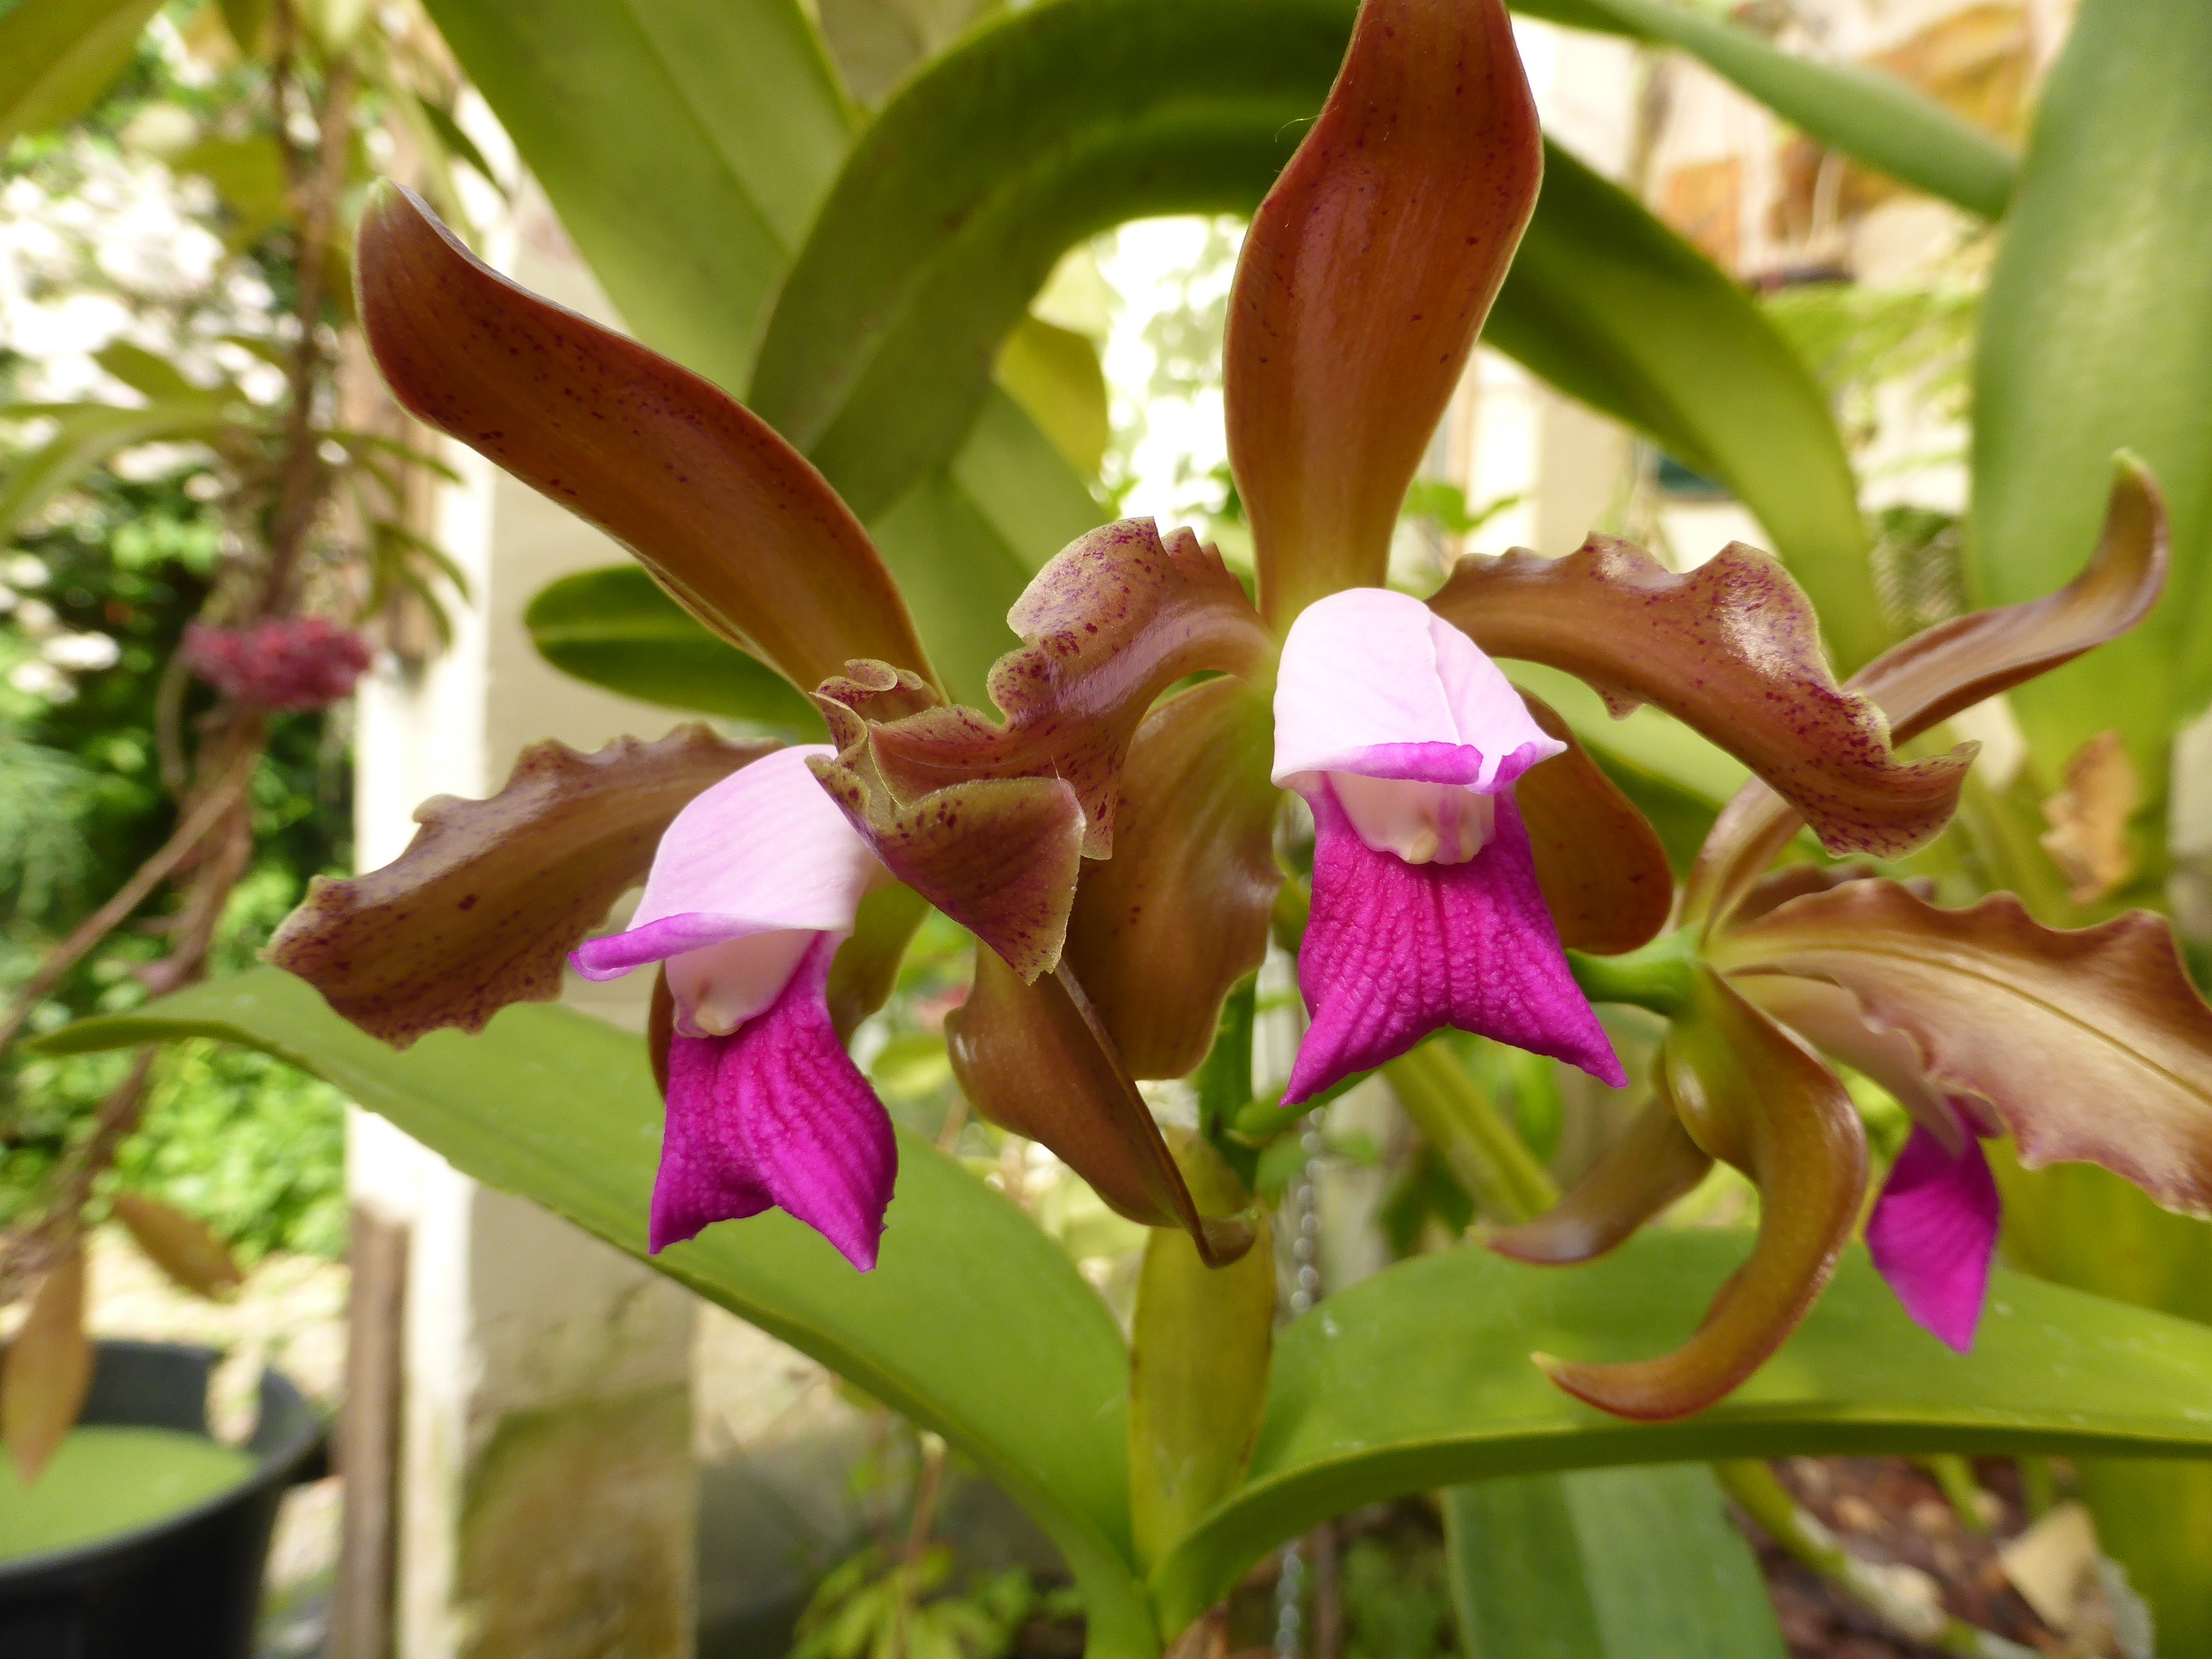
185 1587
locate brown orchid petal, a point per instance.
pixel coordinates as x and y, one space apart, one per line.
1602 866
1941 670
725 515
490 896
989 821
1179 913
1828 1017
1751 1094
1651 1166
1035 1060
2089 1045
1364 278
1733 648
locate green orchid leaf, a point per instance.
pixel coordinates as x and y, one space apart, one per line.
1376 1392
617 628
686 145
974 1324
1636 1563
59 57
1063 120
85 435
2097 336
1868 114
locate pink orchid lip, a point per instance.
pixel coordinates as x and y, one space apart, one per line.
750 873
1934 1230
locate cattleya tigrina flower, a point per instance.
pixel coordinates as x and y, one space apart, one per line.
1108 834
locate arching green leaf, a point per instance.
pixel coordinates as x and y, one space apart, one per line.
617 628
1868 114
2097 336
59 57
1063 121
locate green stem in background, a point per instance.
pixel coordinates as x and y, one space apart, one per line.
1879 1588
1460 1120
2039 1486
1659 977
1954 1475
2001 828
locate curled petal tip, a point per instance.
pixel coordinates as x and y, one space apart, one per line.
1933 1232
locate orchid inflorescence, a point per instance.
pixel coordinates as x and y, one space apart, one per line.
1109 835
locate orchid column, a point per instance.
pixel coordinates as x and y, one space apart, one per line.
538 1364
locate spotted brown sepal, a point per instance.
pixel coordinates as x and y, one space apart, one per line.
488 899
1732 648
990 820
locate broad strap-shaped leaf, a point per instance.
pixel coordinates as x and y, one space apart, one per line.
489 898
1162 930
1602 865
1635 1563
1750 1095
1925 679
1613 306
1378 1391
974 1324
617 628
1868 114
725 514
987 820
1364 278
1033 1058
2088 1044
1730 648
2097 336
59 57
1652 1163
1060 121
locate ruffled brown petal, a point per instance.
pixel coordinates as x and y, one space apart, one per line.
1651 1166
1940 670
1163 929
990 820
490 896
1602 866
1033 1058
1733 648
725 515
1748 1093
2089 1045
1365 277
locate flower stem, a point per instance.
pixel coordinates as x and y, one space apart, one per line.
1659 977
1460 1120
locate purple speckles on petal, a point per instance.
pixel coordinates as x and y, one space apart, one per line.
776 1115
1395 951
1933 1231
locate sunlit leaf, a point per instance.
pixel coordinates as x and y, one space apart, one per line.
58 57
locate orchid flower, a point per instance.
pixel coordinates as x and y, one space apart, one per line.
1107 831
2087 1044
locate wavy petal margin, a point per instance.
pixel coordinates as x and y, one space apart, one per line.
1364 279
1950 667
729 518
489 898
1748 1093
2090 1044
990 820
1732 648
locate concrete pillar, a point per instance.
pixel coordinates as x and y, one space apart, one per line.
546 1494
